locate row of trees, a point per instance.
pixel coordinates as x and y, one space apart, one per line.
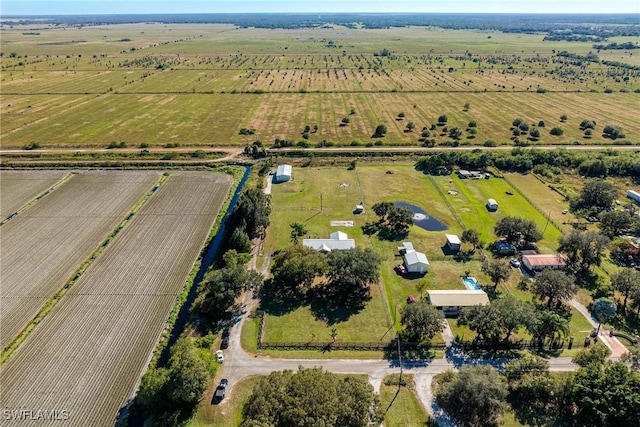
523 160
599 393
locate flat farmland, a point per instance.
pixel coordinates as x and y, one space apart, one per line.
46 243
200 84
88 353
18 188
215 119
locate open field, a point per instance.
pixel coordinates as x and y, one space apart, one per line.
45 244
197 84
403 409
88 353
18 188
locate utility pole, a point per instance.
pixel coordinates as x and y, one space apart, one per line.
320 202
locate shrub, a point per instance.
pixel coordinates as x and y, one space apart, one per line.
556 131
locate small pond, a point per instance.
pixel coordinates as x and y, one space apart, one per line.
422 219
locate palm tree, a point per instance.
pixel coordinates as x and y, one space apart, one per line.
549 324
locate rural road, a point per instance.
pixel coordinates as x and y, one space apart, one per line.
234 151
239 364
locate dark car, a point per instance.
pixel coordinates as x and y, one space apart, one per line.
224 343
225 332
220 391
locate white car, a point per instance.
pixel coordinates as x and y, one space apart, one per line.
219 356
514 262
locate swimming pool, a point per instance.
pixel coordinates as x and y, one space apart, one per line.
471 283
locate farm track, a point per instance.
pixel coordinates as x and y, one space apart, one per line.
17 188
44 245
88 354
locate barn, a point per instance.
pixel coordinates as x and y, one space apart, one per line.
283 173
492 205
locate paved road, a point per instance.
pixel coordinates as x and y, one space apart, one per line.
239 364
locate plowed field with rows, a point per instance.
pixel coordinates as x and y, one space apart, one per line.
43 246
17 188
86 356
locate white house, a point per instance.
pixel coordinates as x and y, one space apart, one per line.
416 262
283 173
492 205
633 195
540 262
451 301
336 241
453 242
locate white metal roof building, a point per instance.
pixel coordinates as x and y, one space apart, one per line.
633 195
337 241
450 301
284 173
416 262
453 242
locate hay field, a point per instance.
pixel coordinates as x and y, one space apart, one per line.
200 84
46 243
88 353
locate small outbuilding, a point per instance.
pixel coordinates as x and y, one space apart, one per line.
541 262
406 247
284 173
453 242
416 262
451 301
633 195
492 205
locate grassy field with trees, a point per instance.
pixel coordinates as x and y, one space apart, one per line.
340 82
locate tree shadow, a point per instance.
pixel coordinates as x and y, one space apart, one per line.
277 303
370 228
391 235
331 305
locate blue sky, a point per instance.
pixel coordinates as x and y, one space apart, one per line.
44 7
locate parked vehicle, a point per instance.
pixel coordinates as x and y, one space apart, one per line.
220 356
220 391
514 262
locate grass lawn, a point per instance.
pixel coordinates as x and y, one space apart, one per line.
369 325
403 409
229 413
470 201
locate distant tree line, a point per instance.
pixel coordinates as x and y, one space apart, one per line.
562 27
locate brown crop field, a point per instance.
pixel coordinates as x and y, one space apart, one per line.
88 353
200 84
18 188
46 243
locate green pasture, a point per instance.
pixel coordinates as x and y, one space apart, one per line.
470 202
402 407
300 201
